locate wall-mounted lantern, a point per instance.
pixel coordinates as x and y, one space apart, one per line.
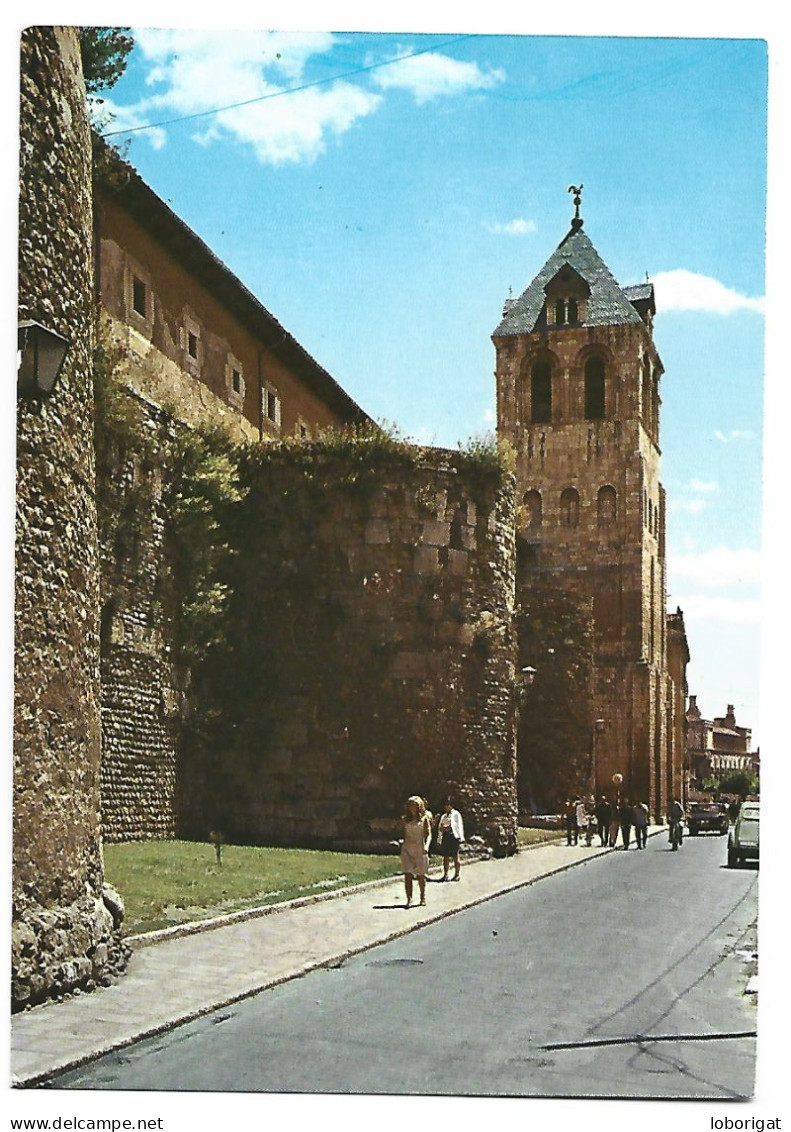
523 681
40 356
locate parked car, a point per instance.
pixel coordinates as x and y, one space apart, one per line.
743 835
707 817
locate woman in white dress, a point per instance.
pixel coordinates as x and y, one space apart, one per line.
414 850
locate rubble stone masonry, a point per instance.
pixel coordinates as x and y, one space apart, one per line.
63 935
368 655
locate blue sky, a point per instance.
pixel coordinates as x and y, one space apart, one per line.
382 193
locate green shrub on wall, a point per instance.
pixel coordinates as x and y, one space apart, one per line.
204 490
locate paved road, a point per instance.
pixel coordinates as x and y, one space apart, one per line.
623 977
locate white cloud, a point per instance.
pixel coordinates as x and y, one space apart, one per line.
689 506
720 566
197 72
432 74
682 290
703 607
518 227
733 434
193 72
703 486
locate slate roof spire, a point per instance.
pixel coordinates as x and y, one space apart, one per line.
608 302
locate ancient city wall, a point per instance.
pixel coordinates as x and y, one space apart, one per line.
63 935
142 683
367 652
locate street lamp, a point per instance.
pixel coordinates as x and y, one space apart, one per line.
528 675
593 782
40 356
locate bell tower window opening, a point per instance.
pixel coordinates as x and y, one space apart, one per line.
606 506
572 310
560 312
541 392
570 507
594 389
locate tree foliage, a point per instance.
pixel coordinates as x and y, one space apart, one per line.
740 782
104 53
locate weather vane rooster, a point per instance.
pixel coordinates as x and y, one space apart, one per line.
577 190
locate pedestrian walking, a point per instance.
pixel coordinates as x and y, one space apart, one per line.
614 824
590 819
570 819
640 821
414 848
625 821
581 815
450 834
675 821
603 819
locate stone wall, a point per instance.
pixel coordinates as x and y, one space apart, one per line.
368 653
63 935
142 683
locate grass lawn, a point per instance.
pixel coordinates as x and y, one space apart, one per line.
164 883
526 838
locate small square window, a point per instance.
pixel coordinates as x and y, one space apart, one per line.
192 344
236 381
271 406
139 297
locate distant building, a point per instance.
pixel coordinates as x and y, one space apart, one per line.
718 747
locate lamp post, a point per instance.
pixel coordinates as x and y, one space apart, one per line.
40 356
593 777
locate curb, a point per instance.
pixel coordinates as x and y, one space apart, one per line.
326 964
335 960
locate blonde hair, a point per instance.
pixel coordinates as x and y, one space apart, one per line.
418 802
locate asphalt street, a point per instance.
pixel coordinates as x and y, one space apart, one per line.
622 977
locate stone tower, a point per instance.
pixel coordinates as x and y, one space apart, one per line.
578 398
64 934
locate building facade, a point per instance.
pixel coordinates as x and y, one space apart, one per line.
718 747
578 398
192 337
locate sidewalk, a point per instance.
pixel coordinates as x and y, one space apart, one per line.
181 974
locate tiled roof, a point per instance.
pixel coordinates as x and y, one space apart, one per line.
639 291
608 304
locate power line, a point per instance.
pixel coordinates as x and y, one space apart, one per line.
288 90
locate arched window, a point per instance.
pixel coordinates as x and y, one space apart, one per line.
594 389
569 507
606 506
541 392
534 509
